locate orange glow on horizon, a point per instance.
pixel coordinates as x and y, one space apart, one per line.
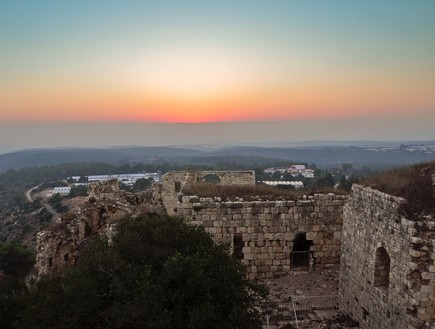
279 100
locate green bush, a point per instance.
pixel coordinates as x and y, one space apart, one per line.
158 273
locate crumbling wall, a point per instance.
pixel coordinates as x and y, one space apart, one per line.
173 183
105 191
58 247
387 274
267 229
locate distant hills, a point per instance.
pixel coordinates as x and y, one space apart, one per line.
322 156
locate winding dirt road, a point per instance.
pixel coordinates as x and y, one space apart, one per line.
47 206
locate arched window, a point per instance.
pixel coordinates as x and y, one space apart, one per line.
382 268
210 178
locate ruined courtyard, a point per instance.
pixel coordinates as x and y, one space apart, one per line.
360 250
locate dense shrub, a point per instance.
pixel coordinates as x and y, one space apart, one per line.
412 183
158 273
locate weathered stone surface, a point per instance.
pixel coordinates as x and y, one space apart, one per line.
387 268
393 292
58 247
265 238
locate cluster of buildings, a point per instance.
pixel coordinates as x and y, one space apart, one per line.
294 170
127 179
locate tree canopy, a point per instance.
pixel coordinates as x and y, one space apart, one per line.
15 263
158 272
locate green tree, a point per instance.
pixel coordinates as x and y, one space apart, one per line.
83 179
326 181
347 168
142 184
346 183
56 202
16 262
158 273
78 190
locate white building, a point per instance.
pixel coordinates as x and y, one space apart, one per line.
295 184
127 179
62 190
297 167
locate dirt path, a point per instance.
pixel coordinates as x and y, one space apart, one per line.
28 193
47 206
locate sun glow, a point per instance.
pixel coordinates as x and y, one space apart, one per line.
190 75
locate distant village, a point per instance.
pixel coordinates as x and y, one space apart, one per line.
296 170
125 179
277 176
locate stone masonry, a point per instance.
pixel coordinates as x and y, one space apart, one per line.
174 182
387 269
268 229
387 273
59 246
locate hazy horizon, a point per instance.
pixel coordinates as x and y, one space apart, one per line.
14 137
107 73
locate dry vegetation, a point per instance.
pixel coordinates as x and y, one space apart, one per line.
412 183
246 192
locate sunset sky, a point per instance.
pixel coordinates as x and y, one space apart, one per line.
129 62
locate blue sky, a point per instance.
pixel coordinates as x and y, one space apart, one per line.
78 62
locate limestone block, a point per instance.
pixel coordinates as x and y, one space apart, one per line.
263 268
289 236
246 250
249 256
427 276
415 253
426 290
311 236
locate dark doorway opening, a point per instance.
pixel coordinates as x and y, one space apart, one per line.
382 268
238 246
300 256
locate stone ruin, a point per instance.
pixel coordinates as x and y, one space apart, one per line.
59 246
387 270
386 260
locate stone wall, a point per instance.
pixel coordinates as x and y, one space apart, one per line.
58 247
267 229
387 273
173 183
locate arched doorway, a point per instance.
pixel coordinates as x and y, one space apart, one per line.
382 268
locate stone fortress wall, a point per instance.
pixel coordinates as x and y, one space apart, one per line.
387 269
387 272
266 231
174 182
